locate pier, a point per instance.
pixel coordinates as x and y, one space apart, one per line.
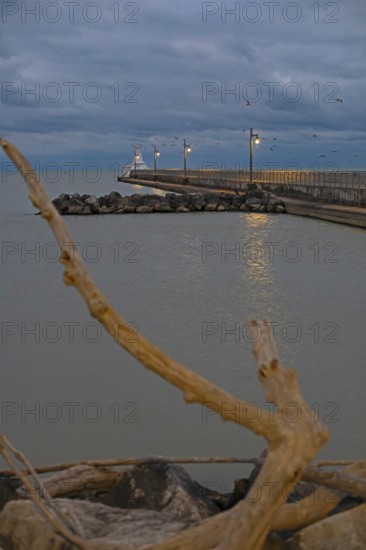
338 197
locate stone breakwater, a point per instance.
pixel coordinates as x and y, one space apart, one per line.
115 203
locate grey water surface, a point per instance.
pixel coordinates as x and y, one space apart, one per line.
190 283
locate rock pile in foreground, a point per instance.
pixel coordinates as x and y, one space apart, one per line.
148 504
114 203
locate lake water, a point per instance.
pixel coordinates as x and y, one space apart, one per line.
189 283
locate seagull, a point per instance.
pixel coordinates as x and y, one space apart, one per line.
243 130
274 139
339 100
271 149
336 151
247 102
314 135
322 156
175 137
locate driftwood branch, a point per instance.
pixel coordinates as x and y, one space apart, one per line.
42 499
195 388
110 462
292 443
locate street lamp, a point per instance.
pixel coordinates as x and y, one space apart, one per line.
257 142
156 154
187 149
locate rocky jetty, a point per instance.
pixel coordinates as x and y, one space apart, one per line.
115 203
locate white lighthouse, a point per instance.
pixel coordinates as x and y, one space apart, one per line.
138 163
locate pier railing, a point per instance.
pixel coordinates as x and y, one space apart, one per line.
345 187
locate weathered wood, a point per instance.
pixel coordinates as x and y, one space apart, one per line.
292 444
79 479
42 500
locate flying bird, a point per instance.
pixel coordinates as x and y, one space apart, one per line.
314 135
322 156
247 102
336 151
274 139
339 100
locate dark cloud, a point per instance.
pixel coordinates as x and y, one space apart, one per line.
184 69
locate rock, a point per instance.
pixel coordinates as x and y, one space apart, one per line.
74 210
174 200
114 198
155 199
339 532
93 202
221 208
197 201
104 527
161 487
182 209
144 209
162 208
280 209
76 197
106 210
87 210
244 208
138 200
210 207
8 486
237 201
130 209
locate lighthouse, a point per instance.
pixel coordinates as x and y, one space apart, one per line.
138 163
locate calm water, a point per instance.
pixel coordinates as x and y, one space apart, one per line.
189 283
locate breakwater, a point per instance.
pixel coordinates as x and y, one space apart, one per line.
115 203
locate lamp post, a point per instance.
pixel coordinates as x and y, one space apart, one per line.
257 142
156 154
187 149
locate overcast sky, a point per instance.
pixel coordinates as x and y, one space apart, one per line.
109 74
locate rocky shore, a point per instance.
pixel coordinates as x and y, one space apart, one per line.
147 504
115 203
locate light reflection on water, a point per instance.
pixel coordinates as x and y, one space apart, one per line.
196 308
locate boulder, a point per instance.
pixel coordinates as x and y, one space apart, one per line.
210 207
144 209
138 200
130 209
93 202
198 202
174 200
74 209
105 528
339 532
182 209
8 486
237 201
106 210
114 198
161 487
162 208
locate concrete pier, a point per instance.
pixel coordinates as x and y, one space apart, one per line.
336 213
